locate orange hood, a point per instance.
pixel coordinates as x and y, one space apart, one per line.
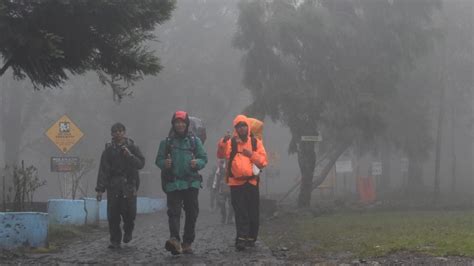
241 118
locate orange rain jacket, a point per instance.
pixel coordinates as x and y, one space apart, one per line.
242 165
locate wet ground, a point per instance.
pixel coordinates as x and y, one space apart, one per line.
213 245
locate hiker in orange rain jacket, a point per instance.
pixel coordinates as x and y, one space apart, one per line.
243 151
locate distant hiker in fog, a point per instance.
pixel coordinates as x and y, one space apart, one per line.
213 193
180 156
219 185
118 175
245 156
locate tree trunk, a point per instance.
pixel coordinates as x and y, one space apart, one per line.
307 163
5 67
295 186
386 155
453 150
438 145
415 174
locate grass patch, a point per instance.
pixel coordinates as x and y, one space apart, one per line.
436 233
64 232
60 234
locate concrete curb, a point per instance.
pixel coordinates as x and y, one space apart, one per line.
144 205
73 212
23 229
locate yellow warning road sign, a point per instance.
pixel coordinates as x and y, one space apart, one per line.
64 133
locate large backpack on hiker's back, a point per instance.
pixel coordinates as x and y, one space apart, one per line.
256 127
196 126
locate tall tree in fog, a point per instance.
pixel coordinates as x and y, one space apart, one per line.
48 40
329 65
201 73
458 65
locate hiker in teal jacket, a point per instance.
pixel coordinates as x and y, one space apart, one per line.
180 156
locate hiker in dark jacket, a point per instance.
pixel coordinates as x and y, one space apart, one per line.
118 175
180 156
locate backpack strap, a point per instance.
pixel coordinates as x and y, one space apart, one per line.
169 144
168 147
233 153
108 145
192 143
253 139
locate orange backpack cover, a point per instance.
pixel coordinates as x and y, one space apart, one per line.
256 127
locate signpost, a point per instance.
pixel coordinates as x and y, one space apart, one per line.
344 166
316 138
65 134
376 168
65 164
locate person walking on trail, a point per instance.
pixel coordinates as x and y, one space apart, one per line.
219 185
180 156
213 193
244 152
118 175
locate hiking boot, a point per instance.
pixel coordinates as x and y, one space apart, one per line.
250 242
127 237
187 248
174 246
114 245
240 244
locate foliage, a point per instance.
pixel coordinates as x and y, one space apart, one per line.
70 184
331 66
25 183
45 40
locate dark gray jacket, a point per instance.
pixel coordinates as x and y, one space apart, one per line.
118 173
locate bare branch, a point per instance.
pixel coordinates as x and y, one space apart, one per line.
5 67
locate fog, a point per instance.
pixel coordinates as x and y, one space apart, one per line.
215 68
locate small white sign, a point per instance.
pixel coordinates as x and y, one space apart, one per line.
317 138
376 168
344 166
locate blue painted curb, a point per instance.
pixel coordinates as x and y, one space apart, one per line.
144 205
73 212
23 229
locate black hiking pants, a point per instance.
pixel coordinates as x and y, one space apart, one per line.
188 200
245 200
120 207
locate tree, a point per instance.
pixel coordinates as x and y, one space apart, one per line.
441 79
329 66
47 40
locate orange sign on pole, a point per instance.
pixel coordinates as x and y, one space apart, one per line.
64 133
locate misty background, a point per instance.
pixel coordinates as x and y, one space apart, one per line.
203 74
